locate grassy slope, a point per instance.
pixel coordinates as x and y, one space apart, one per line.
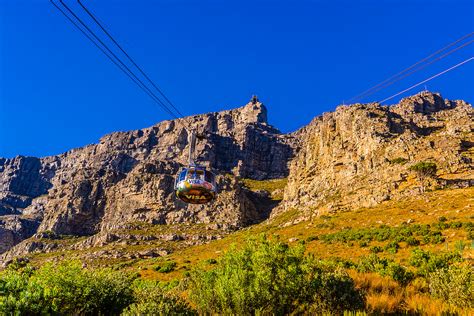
455 205
384 294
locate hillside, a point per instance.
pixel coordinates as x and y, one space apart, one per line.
352 187
357 156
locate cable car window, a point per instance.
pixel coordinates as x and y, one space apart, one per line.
209 177
182 175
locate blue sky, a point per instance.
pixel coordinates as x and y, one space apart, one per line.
302 58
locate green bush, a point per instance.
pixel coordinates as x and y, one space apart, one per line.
392 247
166 267
453 285
428 262
376 249
384 267
150 298
399 160
66 288
269 277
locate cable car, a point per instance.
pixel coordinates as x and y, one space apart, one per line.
195 184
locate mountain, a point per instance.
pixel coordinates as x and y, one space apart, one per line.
117 196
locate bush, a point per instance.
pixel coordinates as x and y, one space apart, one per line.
412 241
453 285
399 160
269 277
151 299
376 249
427 262
167 267
392 247
424 170
399 273
64 289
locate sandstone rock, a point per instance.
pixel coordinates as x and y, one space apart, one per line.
359 155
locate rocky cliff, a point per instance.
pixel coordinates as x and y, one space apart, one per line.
356 156
360 155
128 177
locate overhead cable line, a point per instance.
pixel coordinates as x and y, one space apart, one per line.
110 54
128 56
394 77
430 78
419 68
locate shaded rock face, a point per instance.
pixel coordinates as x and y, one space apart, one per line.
360 155
129 177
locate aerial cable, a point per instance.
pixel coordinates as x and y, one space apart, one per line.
430 78
418 68
118 59
128 56
123 67
363 94
100 48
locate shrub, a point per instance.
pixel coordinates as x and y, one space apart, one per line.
453 285
412 241
372 263
167 267
399 160
427 262
424 170
392 247
150 298
269 277
66 288
376 249
399 273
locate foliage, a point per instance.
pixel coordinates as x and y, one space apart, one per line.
406 233
424 170
454 285
269 277
150 298
274 186
66 288
167 267
384 267
399 160
428 262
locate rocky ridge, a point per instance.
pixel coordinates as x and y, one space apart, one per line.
359 155
356 156
129 176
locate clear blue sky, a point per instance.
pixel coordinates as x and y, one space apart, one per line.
302 58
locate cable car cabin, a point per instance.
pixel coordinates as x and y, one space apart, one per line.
195 185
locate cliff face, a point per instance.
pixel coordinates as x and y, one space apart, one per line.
356 156
129 177
360 155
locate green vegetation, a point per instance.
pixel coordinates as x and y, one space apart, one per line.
269 277
424 170
265 277
166 267
454 285
413 235
66 289
399 161
274 187
153 298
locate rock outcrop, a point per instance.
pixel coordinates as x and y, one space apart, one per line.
129 177
360 155
356 156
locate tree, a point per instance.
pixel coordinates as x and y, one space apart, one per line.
424 170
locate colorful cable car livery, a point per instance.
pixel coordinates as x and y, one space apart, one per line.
195 184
